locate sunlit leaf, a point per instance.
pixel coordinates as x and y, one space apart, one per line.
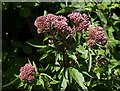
115 17
44 56
36 69
80 49
37 46
65 10
78 77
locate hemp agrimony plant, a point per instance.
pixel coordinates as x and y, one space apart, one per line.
72 42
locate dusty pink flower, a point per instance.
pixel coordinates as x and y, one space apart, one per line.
27 72
60 24
91 42
41 23
52 21
76 17
81 21
97 34
82 26
104 40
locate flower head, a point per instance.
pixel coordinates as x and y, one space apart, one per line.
91 42
97 34
52 21
77 17
27 72
81 21
40 23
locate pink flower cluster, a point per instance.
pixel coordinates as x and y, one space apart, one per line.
27 72
52 21
81 21
96 35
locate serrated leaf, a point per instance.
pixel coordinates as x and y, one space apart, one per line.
78 77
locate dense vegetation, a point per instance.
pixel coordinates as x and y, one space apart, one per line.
61 60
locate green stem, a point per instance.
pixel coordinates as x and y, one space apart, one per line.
11 82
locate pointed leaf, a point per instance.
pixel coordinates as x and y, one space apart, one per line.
37 46
36 70
78 77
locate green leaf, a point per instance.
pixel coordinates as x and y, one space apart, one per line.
37 46
62 5
86 73
53 81
30 87
21 84
61 72
102 17
64 80
78 77
73 56
45 12
115 17
57 57
64 83
44 56
36 70
90 62
80 49
25 85
46 38
40 81
66 9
